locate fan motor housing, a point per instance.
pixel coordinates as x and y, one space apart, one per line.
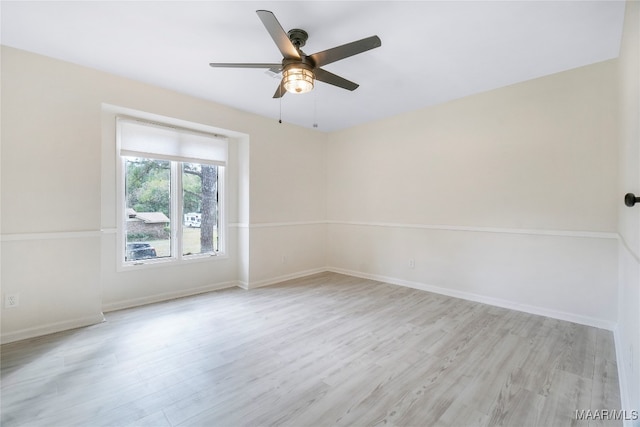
304 61
298 37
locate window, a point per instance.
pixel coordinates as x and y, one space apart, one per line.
171 196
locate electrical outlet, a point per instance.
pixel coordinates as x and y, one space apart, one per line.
284 259
412 263
11 300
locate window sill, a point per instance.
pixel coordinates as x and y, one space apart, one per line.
170 262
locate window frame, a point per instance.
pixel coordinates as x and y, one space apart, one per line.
177 204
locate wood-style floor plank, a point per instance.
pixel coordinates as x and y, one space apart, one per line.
318 351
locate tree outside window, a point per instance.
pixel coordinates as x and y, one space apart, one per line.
149 204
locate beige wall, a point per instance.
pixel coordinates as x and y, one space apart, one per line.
537 155
58 195
628 329
507 197
288 201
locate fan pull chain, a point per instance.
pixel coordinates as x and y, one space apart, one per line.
315 110
280 90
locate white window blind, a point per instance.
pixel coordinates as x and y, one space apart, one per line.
150 140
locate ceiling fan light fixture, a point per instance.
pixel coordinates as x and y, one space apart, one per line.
298 78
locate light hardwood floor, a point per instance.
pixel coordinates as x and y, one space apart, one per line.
318 351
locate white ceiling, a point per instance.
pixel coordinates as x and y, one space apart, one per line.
432 51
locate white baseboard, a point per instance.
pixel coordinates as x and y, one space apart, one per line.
623 378
120 305
92 320
497 302
51 328
76 323
283 278
560 315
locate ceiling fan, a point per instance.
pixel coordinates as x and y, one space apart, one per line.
299 70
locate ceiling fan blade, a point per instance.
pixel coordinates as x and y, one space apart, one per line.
280 91
332 79
278 34
346 50
242 65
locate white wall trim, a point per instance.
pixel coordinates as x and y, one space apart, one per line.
560 315
275 224
135 302
283 278
527 231
238 225
286 224
535 232
215 287
497 302
51 328
57 235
